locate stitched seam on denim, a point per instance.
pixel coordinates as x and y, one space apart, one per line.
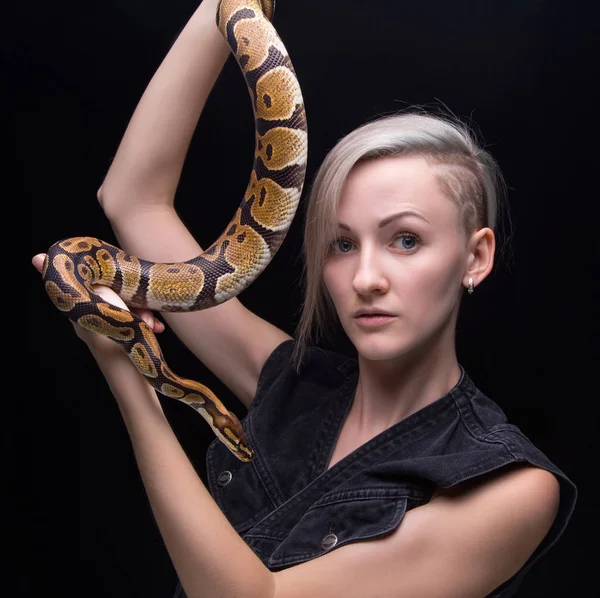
258 463
324 436
265 536
465 411
500 428
342 501
356 495
339 419
400 506
499 441
248 524
265 477
478 470
544 463
511 429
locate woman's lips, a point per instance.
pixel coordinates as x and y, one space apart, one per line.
373 320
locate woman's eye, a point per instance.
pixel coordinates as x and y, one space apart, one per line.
406 241
341 245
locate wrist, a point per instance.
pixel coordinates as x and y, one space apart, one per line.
109 356
129 387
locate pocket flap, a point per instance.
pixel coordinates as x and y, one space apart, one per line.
327 526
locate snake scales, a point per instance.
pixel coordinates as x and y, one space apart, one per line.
246 246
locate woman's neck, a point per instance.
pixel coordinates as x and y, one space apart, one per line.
389 392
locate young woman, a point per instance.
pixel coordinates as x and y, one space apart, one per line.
387 475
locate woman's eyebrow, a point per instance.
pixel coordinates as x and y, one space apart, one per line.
391 218
401 214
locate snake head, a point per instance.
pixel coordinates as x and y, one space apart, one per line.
244 453
238 446
236 442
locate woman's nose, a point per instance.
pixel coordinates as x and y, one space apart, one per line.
370 276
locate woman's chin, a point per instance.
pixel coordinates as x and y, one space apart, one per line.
382 349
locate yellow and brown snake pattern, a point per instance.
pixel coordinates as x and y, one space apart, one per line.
247 245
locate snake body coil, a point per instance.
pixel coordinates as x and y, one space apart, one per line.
233 261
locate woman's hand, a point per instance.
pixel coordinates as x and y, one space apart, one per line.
92 339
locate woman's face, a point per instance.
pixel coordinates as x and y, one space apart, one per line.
396 270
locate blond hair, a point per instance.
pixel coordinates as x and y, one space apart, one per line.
467 173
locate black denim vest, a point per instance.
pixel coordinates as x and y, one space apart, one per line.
290 508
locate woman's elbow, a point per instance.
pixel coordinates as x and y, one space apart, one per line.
111 203
100 196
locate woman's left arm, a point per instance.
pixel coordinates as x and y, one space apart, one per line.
462 544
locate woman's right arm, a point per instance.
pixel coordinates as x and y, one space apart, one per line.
138 192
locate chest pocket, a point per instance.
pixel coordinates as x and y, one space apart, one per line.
237 488
333 521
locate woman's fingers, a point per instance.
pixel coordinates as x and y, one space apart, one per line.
156 325
38 261
109 296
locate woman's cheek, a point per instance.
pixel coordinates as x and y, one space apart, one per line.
333 279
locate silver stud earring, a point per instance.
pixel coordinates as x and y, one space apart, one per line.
471 286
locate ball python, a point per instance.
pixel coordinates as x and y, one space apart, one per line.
73 265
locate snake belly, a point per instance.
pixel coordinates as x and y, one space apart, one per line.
246 246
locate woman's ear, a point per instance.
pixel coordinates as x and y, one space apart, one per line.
480 258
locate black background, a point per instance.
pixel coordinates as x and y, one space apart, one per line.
521 71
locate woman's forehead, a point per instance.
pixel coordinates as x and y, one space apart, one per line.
379 189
